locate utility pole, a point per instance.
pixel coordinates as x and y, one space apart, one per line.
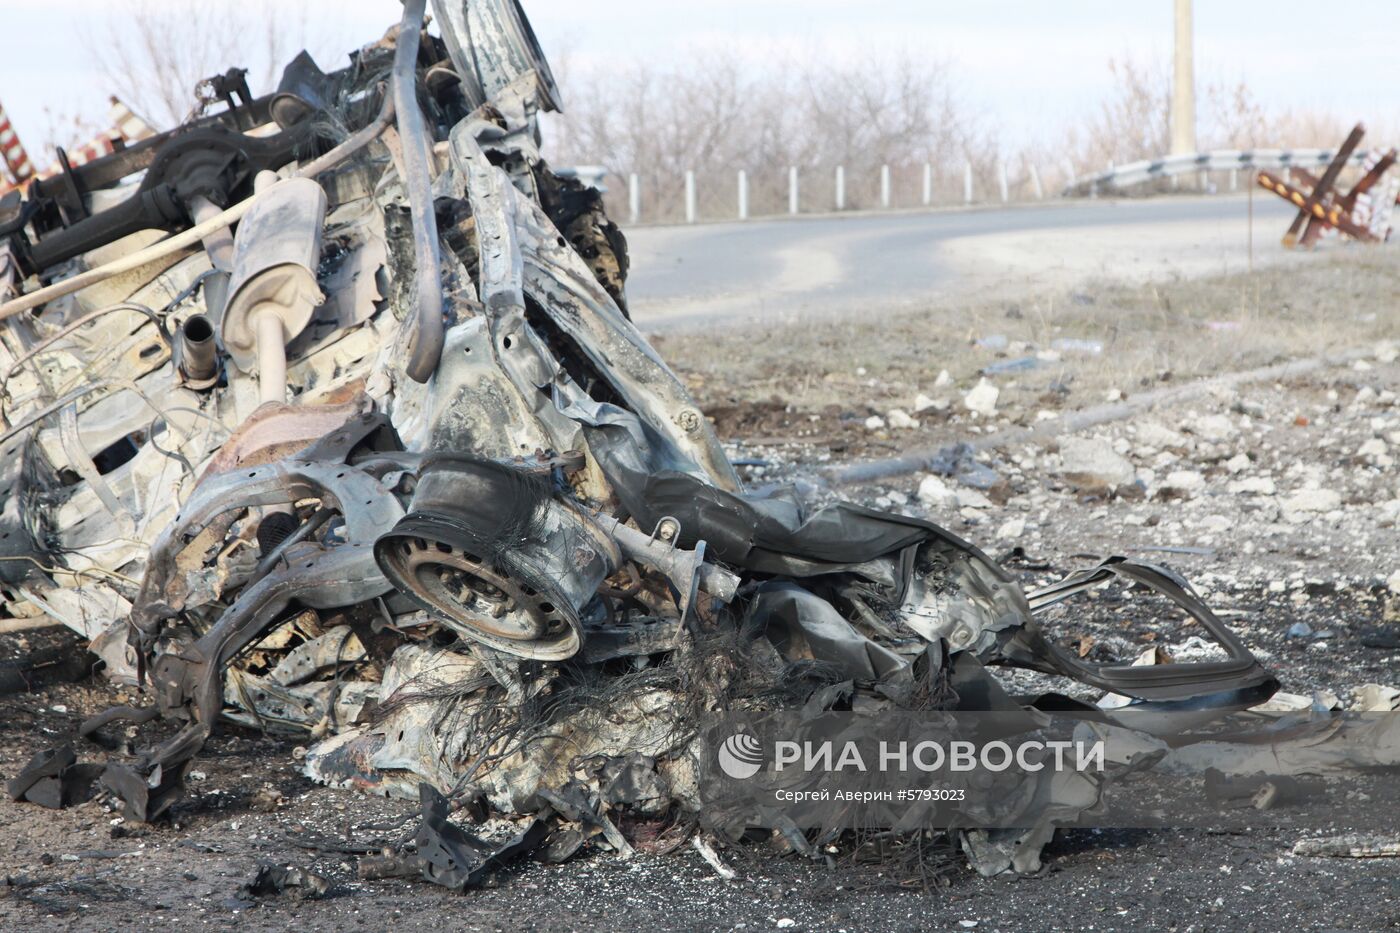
1183 114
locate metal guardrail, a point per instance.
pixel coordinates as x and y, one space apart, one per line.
1219 160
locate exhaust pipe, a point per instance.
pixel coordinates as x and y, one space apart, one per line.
199 357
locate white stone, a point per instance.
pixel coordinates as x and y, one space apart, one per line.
1312 500
1375 698
1215 428
1012 529
1238 463
923 403
1374 447
899 419
1254 485
982 398
1156 434
874 423
1185 481
943 380
1387 352
1091 461
972 499
934 494
1393 583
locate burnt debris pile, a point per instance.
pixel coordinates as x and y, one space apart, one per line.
323 414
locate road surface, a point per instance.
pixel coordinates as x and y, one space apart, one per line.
687 277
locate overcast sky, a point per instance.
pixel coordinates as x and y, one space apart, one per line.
1031 65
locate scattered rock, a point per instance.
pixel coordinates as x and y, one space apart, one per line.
1214 428
971 499
1254 485
1156 434
1012 529
1373 449
1312 500
943 379
923 403
982 398
1184 482
1375 698
874 423
1238 463
899 419
1092 463
934 494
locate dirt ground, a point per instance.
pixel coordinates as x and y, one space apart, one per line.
1279 500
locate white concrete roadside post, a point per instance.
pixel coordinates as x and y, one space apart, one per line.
840 187
928 184
689 197
1002 184
1234 179
634 198
884 186
1035 182
743 195
792 189
967 182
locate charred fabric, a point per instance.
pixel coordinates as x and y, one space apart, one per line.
330 421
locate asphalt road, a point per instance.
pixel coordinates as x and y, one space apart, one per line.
688 276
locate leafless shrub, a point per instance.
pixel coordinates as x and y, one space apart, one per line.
1132 120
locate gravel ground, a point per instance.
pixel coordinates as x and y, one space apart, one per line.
1279 501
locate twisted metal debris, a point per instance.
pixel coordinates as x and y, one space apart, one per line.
341 429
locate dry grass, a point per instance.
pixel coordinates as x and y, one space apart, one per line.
1150 333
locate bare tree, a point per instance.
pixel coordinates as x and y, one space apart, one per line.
1131 122
715 114
1235 119
153 53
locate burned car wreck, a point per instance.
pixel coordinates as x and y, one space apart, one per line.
331 421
